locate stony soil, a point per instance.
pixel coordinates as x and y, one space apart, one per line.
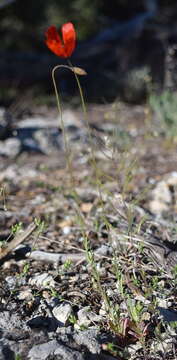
121 197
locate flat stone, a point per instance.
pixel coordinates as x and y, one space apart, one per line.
89 339
42 351
42 280
87 317
62 313
10 147
65 353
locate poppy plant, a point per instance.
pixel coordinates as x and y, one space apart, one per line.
64 46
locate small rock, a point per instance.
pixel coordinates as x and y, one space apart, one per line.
44 323
48 140
39 199
168 315
161 198
11 282
66 230
42 351
25 295
62 312
28 172
86 317
104 250
37 122
164 194
42 280
54 350
9 173
164 346
10 320
5 351
88 338
65 353
10 147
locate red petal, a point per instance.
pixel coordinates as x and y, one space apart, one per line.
69 38
54 42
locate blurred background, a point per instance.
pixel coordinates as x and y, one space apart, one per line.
125 46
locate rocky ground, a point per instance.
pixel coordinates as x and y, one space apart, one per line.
88 255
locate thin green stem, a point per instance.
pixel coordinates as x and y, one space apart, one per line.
94 165
81 93
67 150
85 116
69 163
93 157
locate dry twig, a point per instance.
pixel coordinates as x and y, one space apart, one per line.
18 239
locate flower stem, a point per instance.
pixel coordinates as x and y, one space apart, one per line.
66 146
94 165
93 157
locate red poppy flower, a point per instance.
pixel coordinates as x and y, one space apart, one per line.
62 47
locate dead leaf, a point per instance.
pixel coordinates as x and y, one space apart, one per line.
78 70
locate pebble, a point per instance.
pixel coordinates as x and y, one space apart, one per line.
87 317
42 280
10 147
62 312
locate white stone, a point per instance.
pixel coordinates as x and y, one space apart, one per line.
42 280
62 312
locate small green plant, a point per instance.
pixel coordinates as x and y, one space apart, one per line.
16 228
18 357
118 274
67 264
135 310
54 293
173 324
83 327
25 270
155 282
41 225
73 319
96 279
116 351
